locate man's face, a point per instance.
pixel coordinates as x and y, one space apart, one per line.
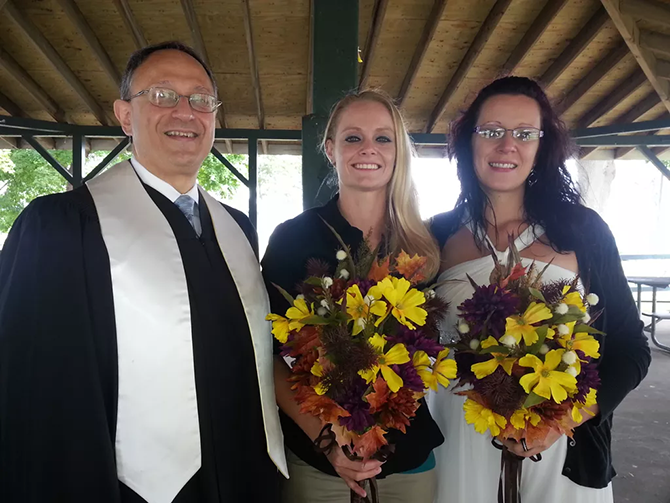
170 142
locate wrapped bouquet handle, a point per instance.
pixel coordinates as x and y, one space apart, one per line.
510 472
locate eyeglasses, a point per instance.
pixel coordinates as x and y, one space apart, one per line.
520 133
167 98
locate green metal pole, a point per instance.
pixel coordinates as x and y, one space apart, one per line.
335 73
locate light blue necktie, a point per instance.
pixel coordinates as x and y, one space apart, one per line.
190 210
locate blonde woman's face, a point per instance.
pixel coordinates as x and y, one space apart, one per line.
363 149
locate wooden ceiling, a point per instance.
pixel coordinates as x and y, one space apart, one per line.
602 61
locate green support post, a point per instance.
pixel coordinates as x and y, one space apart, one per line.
335 72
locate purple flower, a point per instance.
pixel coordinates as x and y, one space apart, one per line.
489 307
363 285
410 377
588 378
415 340
352 401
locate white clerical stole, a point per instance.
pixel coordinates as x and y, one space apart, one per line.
158 432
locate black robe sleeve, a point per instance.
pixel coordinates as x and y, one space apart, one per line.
57 357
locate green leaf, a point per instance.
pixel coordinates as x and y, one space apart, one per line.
542 336
533 399
313 281
588 329
495 349
314 320
285 294
537 294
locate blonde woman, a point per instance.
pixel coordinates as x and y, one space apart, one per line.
370 150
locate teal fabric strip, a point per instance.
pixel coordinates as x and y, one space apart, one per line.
427 465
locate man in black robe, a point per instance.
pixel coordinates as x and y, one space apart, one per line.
116 386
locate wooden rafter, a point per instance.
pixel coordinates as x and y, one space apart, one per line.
639 109
485 31
378 13
663 69
82 26
200 48
56 61
593 77
426 37
10 107
309 105
651 11
630 84
631 35
542 21
576 46
622 151
9 143
253 64
131 22
658 43
33 88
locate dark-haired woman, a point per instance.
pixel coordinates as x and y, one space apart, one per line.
511 150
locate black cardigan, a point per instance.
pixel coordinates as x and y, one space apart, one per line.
289 248
625 355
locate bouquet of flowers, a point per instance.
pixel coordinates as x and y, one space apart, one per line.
364 347
526 354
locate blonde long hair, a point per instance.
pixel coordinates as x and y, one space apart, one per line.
405 228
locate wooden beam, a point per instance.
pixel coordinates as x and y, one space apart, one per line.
542 21
56 61
82 26
631 35
622 151
200 48
9 142
639 109
657 43
593 77
253 65
32 87
485 31
652 158
630 84
309 104
378 14
131 23
10 107
653 12
576 46
663 69
426 37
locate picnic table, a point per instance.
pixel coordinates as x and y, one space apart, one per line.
655 283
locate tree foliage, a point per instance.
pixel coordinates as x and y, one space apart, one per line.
25 175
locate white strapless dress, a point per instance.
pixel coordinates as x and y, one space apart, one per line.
468 466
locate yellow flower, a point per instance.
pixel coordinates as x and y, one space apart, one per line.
490 342
521 326
483 418
298 313
360 308
405 301
397 355
581 341
546 381
576 410
522 416
488 367
280 327
439 372
573 299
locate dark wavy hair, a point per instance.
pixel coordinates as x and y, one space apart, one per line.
549 190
